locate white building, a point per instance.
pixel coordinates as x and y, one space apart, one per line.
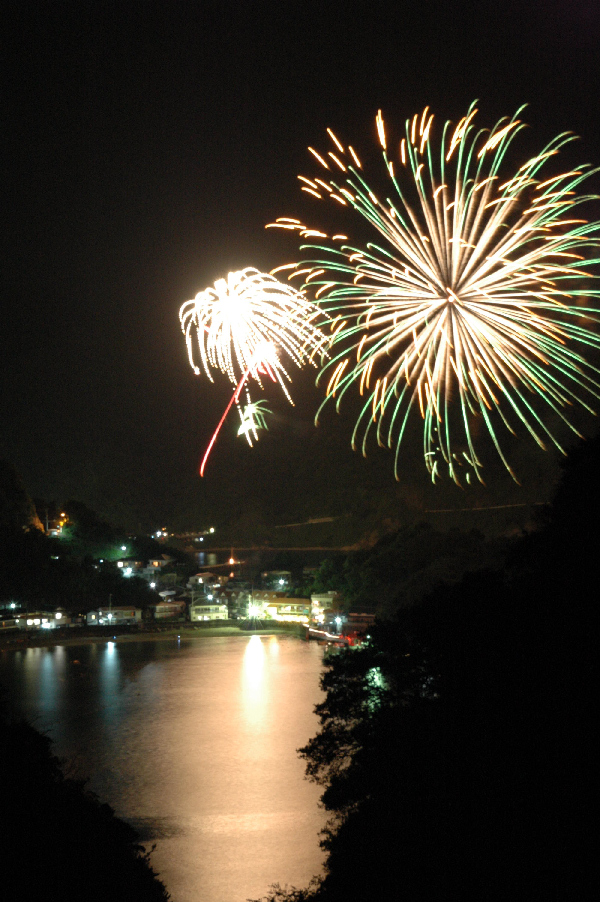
322 604
204 610
114 616
280 607
42 620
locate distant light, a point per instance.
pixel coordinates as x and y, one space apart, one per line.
201 539
232 560
12 604
212 529
119 563
101 560
58 615
123 547
153 585
128 571
282 582
110 616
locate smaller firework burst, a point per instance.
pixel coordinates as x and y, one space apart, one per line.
243 326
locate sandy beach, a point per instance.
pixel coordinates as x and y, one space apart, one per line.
90 635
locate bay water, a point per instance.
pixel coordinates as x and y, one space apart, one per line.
193 741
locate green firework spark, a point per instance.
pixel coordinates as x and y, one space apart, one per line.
476 302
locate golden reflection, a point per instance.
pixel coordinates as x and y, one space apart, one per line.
253 687
254 660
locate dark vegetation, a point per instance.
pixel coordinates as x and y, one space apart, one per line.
17 510
40 573
457 749
59 843
76 571
404 567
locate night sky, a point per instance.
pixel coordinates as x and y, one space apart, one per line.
145 147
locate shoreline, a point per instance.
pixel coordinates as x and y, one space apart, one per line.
183 631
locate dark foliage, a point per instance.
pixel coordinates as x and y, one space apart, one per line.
86 526
59 843
38 573
406 566
457 748
17 510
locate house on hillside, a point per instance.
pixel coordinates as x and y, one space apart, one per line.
152 571
129 566
199 580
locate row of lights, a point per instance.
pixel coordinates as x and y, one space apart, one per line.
162 533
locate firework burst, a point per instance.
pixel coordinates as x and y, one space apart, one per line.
242 327
473 306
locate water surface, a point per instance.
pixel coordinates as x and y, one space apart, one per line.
194 742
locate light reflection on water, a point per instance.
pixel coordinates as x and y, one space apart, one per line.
194 742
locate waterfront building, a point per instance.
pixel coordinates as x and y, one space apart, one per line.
42 620
114 616
203 609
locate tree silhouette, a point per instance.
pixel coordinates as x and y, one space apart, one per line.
456 749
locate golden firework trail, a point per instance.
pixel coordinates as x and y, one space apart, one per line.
242 326
476 300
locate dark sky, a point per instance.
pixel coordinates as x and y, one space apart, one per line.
145 147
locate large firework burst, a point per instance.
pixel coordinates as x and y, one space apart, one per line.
472 306
242 327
